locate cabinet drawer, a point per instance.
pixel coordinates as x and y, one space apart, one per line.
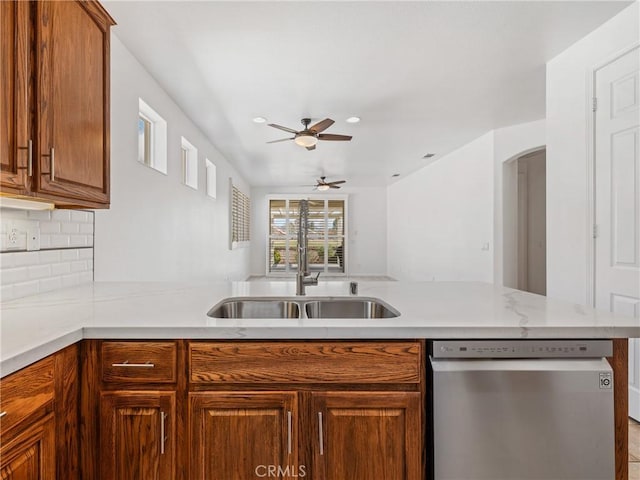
24 392
305 362
135 362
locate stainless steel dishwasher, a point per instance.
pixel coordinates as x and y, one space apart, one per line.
523 409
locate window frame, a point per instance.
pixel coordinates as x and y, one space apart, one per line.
156 140
314 197
189 162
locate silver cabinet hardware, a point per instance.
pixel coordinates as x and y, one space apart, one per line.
163 438
289 432
2 414
134 365
52 154
29 149
320 435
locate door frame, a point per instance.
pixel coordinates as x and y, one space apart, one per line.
591 165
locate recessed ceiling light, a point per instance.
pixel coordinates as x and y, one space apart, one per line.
395 175
353 120
429 155
259 120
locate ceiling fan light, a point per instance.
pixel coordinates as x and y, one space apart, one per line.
306 140
323 188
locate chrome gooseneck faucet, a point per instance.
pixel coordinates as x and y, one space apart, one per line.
303 278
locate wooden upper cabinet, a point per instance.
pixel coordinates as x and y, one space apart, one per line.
73 100
242 435
367 435
54 101
137 435
15 129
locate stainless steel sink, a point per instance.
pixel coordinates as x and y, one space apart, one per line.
238 307
349 308
302 307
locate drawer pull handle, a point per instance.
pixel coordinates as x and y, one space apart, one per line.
29 149
2 414
289 432
52 155
134 365
163 437
320 435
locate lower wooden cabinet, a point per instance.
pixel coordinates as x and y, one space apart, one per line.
367 435
31 454
137 435
230 411
242 435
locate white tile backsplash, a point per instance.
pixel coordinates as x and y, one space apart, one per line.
65 257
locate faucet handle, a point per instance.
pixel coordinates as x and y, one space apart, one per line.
318 276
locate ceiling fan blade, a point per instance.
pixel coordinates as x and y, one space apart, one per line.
281 140
312 147
331 136
336 182
322 126
280 127
333 186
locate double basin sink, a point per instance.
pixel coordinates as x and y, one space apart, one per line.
302 307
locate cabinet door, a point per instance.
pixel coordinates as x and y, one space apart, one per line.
14 96
367 435
137 435
242 435
31 454
73 100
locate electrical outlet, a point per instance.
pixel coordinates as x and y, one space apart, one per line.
12 237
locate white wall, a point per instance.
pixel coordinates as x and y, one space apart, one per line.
568 105
440 224
366 227
157 228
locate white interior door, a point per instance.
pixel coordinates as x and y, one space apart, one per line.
617 199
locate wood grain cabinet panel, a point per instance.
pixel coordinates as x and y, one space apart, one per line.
31 454
134 362
15 128
367 435
305 362
242 435
54 101
72 100
137 435
25 393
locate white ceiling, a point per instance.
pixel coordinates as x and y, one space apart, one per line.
423 76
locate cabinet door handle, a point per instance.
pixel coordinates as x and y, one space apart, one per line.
29 149
320 435
163 438
134 365
2 414
52 155
289 432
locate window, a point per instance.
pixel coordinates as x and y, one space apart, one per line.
189 160
240 217
211 178
325 234
152 138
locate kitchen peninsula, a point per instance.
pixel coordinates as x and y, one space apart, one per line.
103 332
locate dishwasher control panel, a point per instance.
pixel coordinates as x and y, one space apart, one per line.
522 348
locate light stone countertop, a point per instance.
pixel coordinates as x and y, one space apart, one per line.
34 327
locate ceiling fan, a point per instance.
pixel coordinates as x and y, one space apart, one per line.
322 185
309 136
